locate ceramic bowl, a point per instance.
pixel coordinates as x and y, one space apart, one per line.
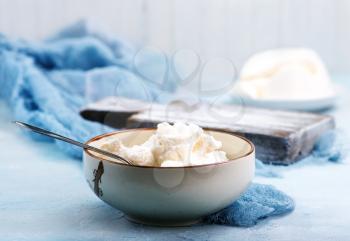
170 196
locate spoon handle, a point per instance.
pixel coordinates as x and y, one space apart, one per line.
71 141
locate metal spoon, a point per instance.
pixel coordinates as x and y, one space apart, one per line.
74 142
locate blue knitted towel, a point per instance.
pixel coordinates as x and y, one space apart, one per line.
258 202
44 85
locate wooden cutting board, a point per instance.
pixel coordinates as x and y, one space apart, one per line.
280 137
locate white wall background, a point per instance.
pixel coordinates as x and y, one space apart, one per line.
214 28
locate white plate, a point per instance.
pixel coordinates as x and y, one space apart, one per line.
318 104
300 105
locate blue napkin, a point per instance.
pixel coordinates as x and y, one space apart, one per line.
258 202
44 84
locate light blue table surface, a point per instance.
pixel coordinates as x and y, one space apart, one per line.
44 196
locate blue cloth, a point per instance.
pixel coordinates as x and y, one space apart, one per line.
258 202
44 84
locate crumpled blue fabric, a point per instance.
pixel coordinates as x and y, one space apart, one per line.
44 84
258 202
329 147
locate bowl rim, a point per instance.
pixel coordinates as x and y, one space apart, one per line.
98 137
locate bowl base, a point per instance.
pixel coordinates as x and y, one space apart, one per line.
162 223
